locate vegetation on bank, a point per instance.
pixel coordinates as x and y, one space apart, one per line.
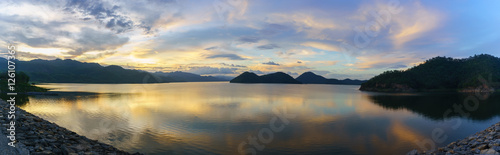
440 74
22 84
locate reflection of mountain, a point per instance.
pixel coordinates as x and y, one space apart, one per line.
435 106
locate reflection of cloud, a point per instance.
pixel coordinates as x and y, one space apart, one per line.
185 114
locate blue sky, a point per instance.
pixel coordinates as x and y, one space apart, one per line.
337 39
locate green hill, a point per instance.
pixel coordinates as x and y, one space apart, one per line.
22 84
71 71
311 78
440 74
278 77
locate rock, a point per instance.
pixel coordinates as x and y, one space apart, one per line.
482 147
475 151
490 152
496 148
65 150
412 152
57 151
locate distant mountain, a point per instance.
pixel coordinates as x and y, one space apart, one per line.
278 77
441 74
187 77
311 78
71 71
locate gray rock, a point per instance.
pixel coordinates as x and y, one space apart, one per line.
482 147
490 151
412 152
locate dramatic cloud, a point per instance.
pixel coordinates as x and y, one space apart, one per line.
356 39
103 12
90 40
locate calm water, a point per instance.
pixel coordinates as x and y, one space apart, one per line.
215 118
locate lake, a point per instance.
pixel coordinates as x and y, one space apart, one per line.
226 118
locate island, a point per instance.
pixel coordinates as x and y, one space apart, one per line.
311 78
278 77
476 73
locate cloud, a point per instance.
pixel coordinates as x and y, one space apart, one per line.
232 65
297 53
273 29
321 46
95 56
105 13
397 66
268 47
226 56
93 40
248 39
271 63
211 48
228 10
30 56
414 24
203 70
386 60
314 27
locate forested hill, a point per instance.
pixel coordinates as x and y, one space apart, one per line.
71 71
440 74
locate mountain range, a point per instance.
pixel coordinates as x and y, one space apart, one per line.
71 71
280 77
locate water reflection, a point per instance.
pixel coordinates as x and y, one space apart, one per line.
434 106
214 118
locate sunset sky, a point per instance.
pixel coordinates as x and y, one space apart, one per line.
336 39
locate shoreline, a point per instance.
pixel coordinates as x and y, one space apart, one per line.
38 136
482 142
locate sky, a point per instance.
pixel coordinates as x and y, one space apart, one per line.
337 39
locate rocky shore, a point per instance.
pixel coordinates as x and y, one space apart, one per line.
484 142
38 137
